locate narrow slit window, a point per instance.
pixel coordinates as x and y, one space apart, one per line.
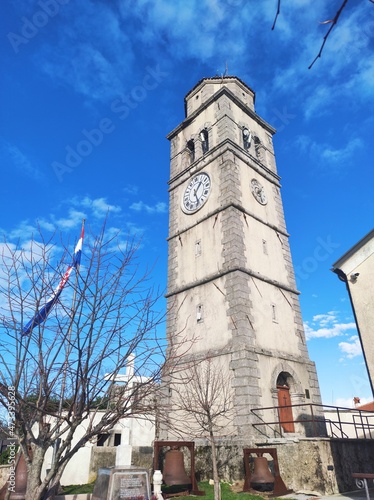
265 247
199 313
198 248
274 313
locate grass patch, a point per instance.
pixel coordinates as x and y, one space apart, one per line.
75 489
226 492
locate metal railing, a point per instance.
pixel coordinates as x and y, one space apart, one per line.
314 420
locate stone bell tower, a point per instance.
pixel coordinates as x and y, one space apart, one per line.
231 283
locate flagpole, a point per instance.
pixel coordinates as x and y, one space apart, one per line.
63 386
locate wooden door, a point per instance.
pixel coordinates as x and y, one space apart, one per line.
285 410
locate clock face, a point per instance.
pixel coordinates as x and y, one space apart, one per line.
196 193
258 192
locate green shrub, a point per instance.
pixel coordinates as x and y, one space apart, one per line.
4 456
76 489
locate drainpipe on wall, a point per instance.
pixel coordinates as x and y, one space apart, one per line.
343 277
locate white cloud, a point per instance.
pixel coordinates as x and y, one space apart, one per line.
326 319
140 206
74 220
21 161
362 82
91 209
349 41
327 325
317 103
345 69
352 348
326 153
131 189
198 29
85 61
24 231
349 403
335 330
110 61
99 206
46 225
334 155
98 67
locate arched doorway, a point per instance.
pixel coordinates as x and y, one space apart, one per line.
284 402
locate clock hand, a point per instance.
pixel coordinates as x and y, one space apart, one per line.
197 187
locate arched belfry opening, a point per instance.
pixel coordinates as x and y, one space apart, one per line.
204 138
285 384
191 150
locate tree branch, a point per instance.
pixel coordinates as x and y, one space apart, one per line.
333 23
65 373
277 14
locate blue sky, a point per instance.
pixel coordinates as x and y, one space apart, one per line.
90 89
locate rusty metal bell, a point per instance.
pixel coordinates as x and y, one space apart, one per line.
262 479
174 472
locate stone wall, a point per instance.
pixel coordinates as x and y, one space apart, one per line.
105 456
324 466
230 463
4 474
101 457
142 456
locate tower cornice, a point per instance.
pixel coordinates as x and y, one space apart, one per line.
222 209
221 80
221 92
225 272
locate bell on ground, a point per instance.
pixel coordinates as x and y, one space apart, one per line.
174 472
262 479
19 490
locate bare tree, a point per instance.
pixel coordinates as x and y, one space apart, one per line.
204 403
63 372
331 22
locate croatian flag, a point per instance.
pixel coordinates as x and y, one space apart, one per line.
41 315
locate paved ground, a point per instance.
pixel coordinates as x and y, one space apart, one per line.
352 495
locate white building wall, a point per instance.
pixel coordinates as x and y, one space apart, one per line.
358 266
134 432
